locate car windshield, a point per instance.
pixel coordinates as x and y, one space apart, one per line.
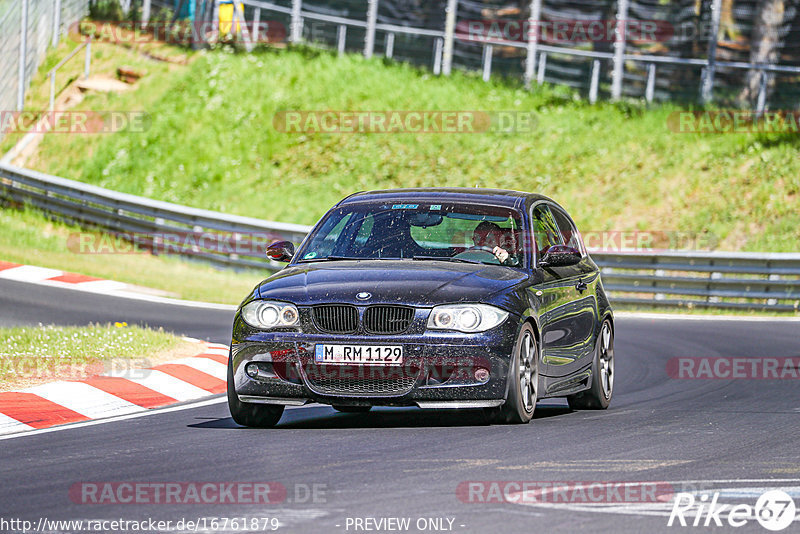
457 232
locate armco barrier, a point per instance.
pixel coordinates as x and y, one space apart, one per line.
720 280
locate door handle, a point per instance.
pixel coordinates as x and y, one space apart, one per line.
581 286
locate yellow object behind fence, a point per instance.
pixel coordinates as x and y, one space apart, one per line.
226 17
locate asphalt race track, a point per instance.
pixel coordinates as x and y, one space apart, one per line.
739 436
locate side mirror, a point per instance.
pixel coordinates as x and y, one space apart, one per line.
560 256
281 251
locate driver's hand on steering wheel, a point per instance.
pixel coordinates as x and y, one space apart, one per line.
500 253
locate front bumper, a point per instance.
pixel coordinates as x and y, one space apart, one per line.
438 371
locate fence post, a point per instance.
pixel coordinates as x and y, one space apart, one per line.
145 12
23 48
372 18
542 65
651 82
341 38
533 40
595 81
296 33
388 46
708 80
56 23
487 62
52 90
761 104
619 49
437 56
87 61
256 25
449 33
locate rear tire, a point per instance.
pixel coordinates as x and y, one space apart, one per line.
249 414
598 396
523 381
352 409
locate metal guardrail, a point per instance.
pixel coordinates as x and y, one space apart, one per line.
718 280
162 227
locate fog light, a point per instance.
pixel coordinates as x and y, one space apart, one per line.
482 375
251 369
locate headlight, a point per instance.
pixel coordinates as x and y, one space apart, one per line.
270 314
466 317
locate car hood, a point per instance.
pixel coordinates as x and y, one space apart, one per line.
416 283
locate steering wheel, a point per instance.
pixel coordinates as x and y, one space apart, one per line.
478 253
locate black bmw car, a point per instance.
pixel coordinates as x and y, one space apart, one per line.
436 298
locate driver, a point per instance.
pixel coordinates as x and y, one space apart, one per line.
488 235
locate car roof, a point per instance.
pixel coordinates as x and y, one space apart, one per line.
502 197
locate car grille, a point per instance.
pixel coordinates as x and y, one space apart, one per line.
336 318
387 319
360 380
343 319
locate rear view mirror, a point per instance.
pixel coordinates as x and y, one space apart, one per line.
281 251
560 256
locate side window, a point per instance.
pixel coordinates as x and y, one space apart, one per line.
572 237
545 229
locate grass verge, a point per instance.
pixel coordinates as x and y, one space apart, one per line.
619 167
35 354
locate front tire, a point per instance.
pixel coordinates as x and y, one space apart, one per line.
249 414
598 396
523 385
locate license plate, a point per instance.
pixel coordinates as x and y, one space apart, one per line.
359 354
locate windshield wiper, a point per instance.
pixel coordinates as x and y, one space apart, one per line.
332 257
446 258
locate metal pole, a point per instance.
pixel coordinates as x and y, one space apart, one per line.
449 33
341 38
87 61
52 90
437 56
595 81
761 104
23 48
372 20
56 22
240 23
707 86
256 24
145 13
215 20
540 72
296 33
533 40
651 82
388 46
619 49
487 62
